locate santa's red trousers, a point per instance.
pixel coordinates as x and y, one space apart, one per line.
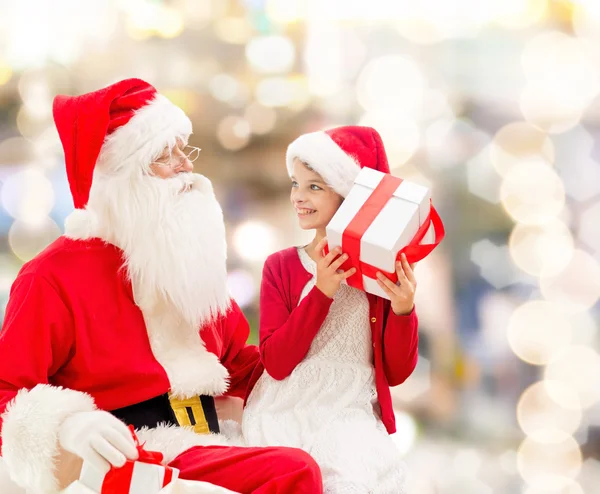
252 470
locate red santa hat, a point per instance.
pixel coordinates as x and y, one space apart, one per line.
119 129
126 124
338 154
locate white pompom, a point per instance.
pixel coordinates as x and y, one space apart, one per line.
81 224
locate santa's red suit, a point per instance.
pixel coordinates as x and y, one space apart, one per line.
95 326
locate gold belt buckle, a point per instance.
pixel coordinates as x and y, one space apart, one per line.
189 413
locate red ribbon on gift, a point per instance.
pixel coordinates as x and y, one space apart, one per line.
118 480
351 238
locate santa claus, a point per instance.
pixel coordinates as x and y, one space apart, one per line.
126 319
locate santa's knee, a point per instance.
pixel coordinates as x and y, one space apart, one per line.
301 466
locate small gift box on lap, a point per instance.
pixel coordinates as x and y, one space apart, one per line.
146 475
382 217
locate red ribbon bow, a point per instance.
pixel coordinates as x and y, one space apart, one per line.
118 480
154 457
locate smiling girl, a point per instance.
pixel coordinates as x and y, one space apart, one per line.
330 351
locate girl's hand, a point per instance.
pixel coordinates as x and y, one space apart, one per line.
329 275
402 295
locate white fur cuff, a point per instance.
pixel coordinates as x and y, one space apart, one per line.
30 430
172 440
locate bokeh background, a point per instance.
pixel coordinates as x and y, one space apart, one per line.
492 103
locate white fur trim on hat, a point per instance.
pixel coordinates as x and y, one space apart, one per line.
324 156
30 429
133 146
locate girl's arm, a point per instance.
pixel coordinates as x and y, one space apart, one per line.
286 335
400 345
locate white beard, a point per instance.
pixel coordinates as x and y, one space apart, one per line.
174 243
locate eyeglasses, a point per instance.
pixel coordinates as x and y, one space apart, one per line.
175 162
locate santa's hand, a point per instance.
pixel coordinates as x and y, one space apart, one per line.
99 438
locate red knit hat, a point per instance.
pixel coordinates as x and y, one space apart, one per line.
125 125
338 154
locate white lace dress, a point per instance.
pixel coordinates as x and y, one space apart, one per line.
327 405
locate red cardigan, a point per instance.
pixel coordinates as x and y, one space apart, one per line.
287 329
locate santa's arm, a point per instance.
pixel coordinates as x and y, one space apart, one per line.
239 358
36 340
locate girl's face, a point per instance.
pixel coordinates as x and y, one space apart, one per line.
315 202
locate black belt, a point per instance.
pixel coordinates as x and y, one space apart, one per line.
198 412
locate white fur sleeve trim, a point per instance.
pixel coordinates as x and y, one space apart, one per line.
324 156
173 440
30 430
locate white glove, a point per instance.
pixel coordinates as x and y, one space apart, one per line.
99 438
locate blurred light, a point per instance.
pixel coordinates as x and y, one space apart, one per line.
36 97
452 142
518 14
516 142
234 30
508 462
261 118
37 31
572 377
242 287
233 133
9 268
544 420
589 227
28 196
5 73
567 486
228 89
552 113
324 67
549 466
271 54
254 240
281 91
532 193
562 65
286 11
151 18
577 287
537 330
417 384
463 486
391 83
562 80
581 177
586 19
16 151
494 263
467 462
406 432
584 328
482 179
400 134
538 249
29 125
435 105
27 240
197 14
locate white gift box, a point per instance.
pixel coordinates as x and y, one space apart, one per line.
179 486
382 215
141 478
